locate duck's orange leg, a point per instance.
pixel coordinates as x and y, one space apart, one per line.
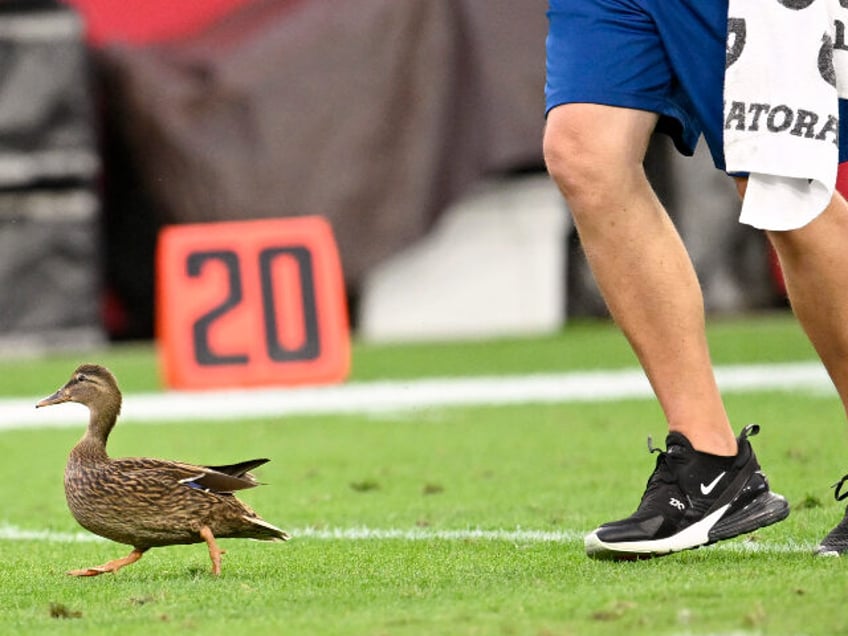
111 566
214 551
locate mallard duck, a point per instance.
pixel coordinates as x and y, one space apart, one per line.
144 502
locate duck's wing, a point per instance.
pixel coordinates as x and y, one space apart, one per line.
157 473
241 469
221 479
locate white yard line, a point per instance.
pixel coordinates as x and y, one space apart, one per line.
406 395
364 533
14 533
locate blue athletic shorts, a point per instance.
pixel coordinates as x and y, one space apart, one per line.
663 56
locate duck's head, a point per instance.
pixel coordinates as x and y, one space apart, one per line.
91 385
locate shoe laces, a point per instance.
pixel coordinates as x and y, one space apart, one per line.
837 489
665 468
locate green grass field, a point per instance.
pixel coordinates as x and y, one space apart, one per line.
385 509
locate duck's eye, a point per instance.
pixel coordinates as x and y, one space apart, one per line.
82 377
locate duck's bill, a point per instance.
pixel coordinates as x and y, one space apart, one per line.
57 398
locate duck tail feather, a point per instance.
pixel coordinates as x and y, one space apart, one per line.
268 532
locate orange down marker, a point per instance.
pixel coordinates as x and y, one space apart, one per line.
251 303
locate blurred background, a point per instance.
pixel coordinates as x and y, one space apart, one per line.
414 126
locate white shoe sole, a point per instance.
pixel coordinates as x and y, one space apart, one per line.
696 535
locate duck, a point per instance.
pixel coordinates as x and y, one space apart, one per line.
145 502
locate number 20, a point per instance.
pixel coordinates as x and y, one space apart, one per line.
309 350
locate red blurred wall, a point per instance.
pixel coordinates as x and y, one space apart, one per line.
144 21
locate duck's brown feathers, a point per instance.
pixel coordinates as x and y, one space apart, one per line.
146 502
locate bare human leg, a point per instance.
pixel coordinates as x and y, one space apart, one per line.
815 267
595 155
814 260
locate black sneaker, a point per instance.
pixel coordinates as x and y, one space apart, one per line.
692 499
836 542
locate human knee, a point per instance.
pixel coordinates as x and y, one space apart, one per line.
574 164
828 231
595 152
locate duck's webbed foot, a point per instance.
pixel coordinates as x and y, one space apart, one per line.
111 566
214 551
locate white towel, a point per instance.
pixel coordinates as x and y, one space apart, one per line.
787 64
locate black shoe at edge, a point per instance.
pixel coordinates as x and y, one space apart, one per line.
836 541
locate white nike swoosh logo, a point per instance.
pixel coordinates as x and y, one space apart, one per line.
706 490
